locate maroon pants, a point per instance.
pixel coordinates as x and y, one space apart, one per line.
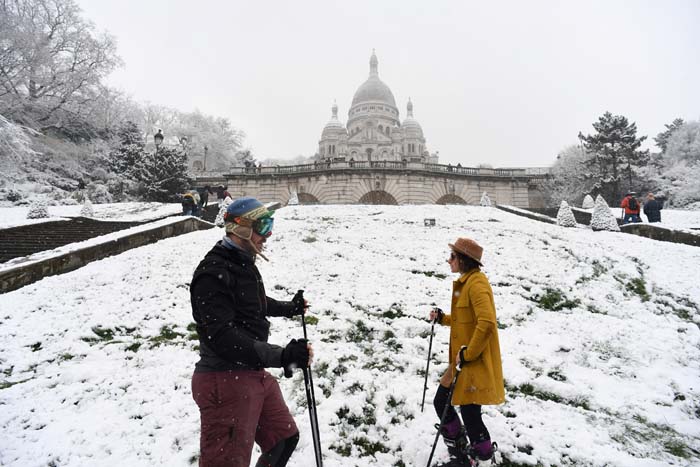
238 408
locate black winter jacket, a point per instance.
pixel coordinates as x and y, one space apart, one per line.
230 309
652 209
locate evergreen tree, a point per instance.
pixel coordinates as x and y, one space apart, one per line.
162 175
662 138
613 153
131 149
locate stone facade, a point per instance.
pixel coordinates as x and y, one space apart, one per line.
374 131
382 182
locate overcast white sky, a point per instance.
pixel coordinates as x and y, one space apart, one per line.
509 83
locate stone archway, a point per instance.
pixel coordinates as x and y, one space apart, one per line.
306 198
377 197
450 199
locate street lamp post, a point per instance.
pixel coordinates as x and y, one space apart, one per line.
158 139
206 149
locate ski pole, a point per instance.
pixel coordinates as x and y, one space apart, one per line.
458 368
427 366
309 386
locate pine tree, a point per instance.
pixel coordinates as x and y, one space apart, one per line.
614 153
588 202
565 217
485 200
162 175
662 138
131 149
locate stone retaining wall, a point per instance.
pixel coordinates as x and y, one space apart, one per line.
12 279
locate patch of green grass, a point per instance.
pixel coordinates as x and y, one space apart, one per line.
555 300
529 390
677 448
429 274
638 286
368 447
344 449
166 335
355 387
309 239
556 375
393 312
311 319
66 356
359 333
133 347
35 347
9 384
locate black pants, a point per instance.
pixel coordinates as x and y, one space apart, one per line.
471 415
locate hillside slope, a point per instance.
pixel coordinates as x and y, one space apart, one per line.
599 335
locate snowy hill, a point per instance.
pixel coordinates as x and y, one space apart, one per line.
599 334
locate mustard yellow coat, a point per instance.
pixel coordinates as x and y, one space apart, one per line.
473 323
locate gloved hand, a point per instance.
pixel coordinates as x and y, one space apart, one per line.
295 355
462 356
300 305
436 315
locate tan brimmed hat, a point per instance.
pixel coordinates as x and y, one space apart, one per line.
468 247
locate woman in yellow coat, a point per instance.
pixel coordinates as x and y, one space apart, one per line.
472 324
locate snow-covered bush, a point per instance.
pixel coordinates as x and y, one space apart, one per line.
13 195
565 217
485 200
602 218
588 202
87 210
38 210
99 193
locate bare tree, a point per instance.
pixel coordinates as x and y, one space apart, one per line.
51 62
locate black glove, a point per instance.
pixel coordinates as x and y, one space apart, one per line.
299 303
462 356
440 314
295 355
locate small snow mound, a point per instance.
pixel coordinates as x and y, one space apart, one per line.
588 202
87 209
602 218
565 216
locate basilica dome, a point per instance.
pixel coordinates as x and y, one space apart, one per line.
374 89
410 124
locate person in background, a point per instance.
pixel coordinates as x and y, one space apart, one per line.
472 323
204 196
239 402
652 208
222 194
631 206
188 204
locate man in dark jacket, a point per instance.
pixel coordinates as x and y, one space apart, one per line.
652 208
239 402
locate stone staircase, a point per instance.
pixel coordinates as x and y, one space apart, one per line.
25 240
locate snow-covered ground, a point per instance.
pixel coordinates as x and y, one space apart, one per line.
600 343
16 216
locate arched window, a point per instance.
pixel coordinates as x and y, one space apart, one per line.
381 128
387 131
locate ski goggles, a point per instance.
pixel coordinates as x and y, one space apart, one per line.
263 225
